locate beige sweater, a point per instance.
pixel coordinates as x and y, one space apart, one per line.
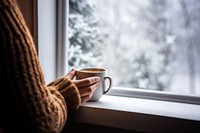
26 103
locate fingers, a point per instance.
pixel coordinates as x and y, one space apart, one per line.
87 81
71 74
87 87
87 92
85 98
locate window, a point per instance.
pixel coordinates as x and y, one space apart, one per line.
145 45
131 112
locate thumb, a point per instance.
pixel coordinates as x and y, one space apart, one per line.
71 74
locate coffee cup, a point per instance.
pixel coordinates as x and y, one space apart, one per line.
100 72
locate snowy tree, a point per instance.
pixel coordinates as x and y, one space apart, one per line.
140 46
142 43
85 38
155 61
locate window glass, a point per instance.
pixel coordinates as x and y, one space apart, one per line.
144 44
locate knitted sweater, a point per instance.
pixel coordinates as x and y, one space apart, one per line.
27 104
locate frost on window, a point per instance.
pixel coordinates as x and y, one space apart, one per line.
144 44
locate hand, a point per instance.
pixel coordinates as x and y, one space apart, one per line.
85 86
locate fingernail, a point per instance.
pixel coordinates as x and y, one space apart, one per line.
98 79
73 69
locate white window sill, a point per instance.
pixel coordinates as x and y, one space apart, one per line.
138 114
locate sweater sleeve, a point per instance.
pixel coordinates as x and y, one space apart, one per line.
68 90
27 104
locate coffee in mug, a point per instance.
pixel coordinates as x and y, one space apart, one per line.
100 72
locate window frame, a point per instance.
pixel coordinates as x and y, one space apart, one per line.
154 95
47 25
62 39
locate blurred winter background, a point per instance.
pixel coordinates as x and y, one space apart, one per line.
144 44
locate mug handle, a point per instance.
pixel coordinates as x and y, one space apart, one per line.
110 84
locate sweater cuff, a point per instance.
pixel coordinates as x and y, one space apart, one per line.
69 91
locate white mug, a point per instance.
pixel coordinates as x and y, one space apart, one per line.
89 72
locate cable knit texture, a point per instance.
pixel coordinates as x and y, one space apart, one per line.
27 104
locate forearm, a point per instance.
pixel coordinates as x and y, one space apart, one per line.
27 101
